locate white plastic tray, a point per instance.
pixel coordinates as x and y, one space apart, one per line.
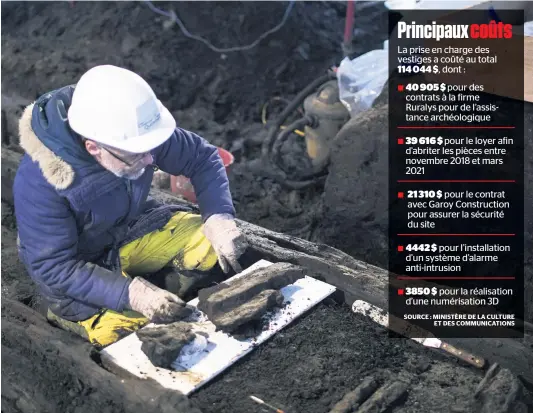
191 371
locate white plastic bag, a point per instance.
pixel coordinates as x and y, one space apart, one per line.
431 4
361 80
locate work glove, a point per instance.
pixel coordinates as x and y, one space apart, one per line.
156 304
227 240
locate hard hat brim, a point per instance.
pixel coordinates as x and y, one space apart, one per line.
142 143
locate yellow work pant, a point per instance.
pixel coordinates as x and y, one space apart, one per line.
181 241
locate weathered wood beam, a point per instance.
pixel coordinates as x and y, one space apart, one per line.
361 281
77 378
355 279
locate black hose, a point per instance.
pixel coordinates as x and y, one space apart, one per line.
299 181
278 174
299 98
284 135
271 171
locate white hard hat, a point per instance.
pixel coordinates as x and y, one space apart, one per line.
116 107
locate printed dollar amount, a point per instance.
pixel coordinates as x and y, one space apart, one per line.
421 247
424 194
426 87
424 140
418 69
421 291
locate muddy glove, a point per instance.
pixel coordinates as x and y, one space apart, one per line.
156 304
227 240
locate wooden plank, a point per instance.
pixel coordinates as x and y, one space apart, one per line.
357 280
191 371
361 281
32 349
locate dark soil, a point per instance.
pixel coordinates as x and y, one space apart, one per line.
311 365
48 370
52 44
307 367
46 45
16 284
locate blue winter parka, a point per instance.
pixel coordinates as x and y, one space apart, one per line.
73 215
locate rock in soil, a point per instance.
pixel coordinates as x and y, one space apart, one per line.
162 344
231 305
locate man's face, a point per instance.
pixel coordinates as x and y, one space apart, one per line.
122 164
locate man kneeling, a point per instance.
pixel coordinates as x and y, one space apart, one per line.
88 232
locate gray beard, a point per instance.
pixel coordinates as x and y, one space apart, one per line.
129 175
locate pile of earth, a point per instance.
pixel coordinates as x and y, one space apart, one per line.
309 366
46 45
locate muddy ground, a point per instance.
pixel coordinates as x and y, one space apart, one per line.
218 95
310 365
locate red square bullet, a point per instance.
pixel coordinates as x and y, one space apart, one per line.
400 291
400 194
400 141
400 248
400 88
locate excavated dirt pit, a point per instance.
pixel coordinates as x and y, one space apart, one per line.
220 96
312 364
307 367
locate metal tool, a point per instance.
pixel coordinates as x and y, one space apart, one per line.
258 400
434 342
381 317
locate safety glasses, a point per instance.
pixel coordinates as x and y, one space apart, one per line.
130 160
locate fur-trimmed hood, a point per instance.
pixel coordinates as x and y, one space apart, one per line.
56 171
47 138
73 215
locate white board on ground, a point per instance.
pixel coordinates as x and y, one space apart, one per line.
193 368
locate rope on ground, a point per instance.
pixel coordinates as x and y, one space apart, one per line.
172 15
